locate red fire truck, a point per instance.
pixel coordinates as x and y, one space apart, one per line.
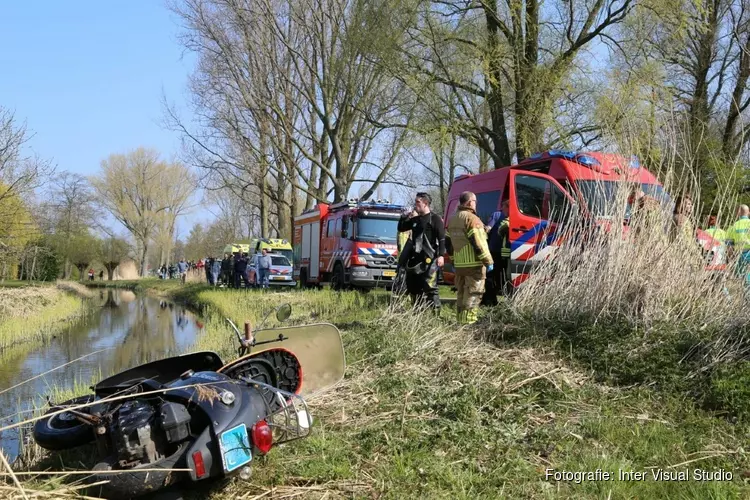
352 243
546 184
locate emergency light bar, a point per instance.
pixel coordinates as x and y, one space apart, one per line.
376 204
587 161
366 213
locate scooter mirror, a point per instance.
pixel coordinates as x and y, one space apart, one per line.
283 312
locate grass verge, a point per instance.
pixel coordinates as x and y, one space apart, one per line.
428 410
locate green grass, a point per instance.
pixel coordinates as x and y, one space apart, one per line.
35 313
22 284
428 410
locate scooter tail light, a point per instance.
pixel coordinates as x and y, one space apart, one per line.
262 436
200 467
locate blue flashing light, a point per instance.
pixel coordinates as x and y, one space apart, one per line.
587 161
560 153
635 162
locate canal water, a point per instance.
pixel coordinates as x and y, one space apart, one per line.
129 329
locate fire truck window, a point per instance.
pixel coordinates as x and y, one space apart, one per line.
487 204
559 205
530 195
338 227
347 226
330 228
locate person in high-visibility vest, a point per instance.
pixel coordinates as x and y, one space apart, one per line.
714 231
738 240
471 256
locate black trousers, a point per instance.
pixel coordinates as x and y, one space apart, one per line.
239 279
423 287
498 281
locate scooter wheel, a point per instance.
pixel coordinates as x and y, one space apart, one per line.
63 431
135 483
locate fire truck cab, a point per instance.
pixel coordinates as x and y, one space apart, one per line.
352 243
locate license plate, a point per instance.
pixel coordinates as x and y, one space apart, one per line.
278 278
390 274
235 448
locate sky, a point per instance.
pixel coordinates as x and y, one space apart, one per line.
88 76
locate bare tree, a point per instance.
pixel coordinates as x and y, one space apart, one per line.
513 58
176 196
112 251
132 188
292 100
18 173
68 211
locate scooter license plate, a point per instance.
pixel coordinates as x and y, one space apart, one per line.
235 448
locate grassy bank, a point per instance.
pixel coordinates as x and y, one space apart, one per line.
431 411
428 410
31 313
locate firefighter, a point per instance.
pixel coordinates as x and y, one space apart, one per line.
738 240
503 234
425 253
471 257
498 241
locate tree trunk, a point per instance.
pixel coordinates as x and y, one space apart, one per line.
312 187
110 266
729 143
264 207
499 135
293 202
263 184
699 107
33 265
323 187
282 207
144 256
441 180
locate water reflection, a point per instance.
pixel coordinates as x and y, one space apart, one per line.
131 329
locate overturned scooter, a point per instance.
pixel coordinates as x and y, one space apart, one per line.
193 417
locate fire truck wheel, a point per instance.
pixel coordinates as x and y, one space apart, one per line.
337 280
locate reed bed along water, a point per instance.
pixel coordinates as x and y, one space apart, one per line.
36 313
